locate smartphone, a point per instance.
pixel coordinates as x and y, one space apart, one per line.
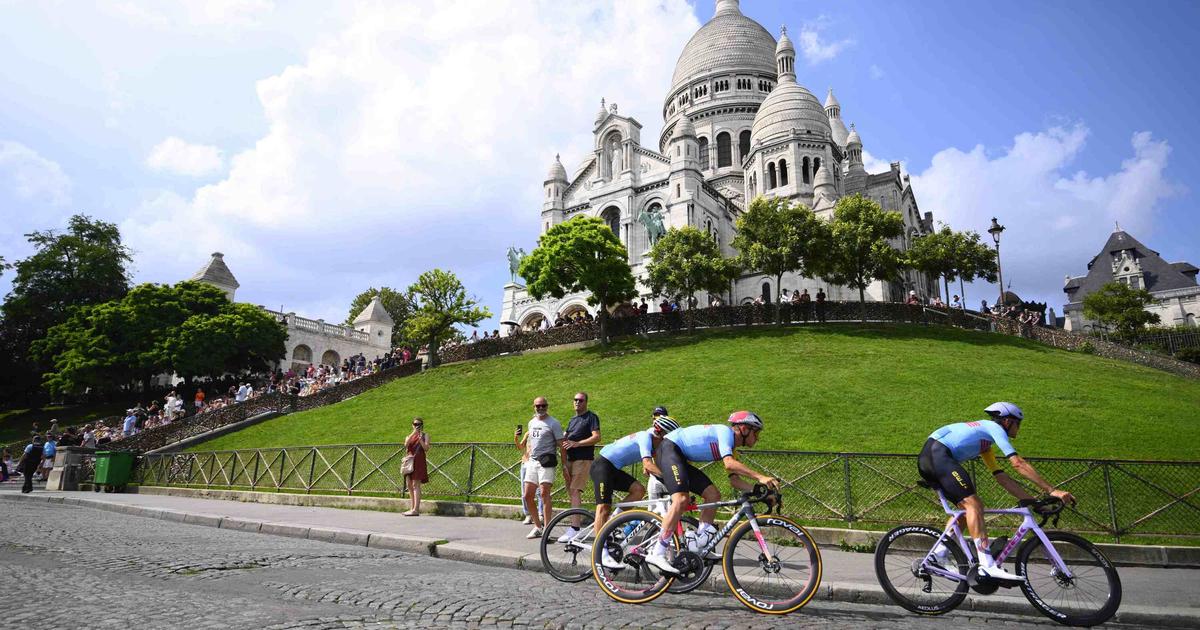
519 429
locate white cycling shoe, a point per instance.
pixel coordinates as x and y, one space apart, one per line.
571 533
610 562
998 573
662 563
697 541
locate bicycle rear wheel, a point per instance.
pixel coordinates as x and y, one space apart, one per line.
898 565
781 582
568 561
1089 597
629 537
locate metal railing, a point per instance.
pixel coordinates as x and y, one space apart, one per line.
1118 498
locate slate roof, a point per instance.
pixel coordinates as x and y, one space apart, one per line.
216 272
1158 274
374 312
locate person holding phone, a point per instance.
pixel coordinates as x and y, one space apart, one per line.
416 445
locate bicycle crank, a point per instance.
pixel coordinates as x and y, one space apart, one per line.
689 564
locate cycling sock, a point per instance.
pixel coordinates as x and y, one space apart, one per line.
663 546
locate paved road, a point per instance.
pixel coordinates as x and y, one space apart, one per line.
99 569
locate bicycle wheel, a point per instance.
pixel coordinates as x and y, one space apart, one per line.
780 583
898 559
1089 597
687 585
629 537
568 561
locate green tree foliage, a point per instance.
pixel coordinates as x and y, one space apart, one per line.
933 254
85 264
686 260
241 338
1118 306
974 260
581 254
862 250
775 237
398 304
439 303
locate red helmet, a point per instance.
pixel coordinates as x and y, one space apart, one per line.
748 418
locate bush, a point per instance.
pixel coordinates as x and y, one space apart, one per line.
1087 348
1191 355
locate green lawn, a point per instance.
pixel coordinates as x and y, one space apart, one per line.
15 424
835 388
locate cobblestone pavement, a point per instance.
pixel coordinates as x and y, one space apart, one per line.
98 569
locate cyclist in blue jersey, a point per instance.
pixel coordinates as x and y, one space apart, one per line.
940 465
703 443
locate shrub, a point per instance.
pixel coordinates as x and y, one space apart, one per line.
1191 355
1087 348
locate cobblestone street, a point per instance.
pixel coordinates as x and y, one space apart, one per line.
97 569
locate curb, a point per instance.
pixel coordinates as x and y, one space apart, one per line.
851 593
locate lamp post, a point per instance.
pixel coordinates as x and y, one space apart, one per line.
995 231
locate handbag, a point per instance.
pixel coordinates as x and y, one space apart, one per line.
548 460
406 464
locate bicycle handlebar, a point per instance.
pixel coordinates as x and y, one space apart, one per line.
761 493
1046 507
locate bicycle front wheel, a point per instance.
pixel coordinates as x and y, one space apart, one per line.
779 579
568 560
899 565
628 538
1089 597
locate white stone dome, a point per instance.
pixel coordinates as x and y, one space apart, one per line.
684 129
789 106
729 41
557 172
854 138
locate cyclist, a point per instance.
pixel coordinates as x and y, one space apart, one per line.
703 443
940 464
607 474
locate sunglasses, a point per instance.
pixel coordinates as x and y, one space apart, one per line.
540 406
580 400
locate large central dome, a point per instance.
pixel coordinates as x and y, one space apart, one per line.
729 41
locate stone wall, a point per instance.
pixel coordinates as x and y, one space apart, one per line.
1066 340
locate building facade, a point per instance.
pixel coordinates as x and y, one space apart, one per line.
1126 260
737 125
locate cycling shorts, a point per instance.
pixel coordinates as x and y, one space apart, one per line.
938 467
607 478
679 475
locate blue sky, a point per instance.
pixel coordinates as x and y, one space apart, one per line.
326 148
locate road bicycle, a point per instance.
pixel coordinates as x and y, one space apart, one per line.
770 562
570 560
1066 578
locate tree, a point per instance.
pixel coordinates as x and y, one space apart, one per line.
440 302
396 303
686 260
1121 307
84 265
581 254
862 248
775 237
973 260
934 254
241 338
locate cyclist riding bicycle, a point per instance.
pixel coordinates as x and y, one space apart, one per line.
940 465
607 474
702 443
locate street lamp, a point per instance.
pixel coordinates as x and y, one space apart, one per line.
995 231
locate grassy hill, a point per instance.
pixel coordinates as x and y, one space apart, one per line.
835 388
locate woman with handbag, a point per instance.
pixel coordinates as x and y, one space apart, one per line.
413 466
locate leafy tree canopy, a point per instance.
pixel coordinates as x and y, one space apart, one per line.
398 304
775 236
862 235
686 260
439 303
1118 306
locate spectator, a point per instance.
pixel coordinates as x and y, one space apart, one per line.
643 307
199 399
544 436
53 426
664 306
758 301
6 464
31 458
956 303
49 450
130 426
912 299
821 305
583 432
475 335
785 298
804 303
89 437
525 459
416 445
240 394
983 307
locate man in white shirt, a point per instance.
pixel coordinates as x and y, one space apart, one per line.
544 441
241 394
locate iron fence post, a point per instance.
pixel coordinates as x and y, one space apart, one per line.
282 462
231 475
254 477
312 469
849 492
1112 504
353 467
470 475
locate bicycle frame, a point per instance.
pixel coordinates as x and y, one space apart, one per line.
584 532
745 510
1028 524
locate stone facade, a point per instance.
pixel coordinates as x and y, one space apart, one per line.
737 125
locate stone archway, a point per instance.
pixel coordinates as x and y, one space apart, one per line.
331 358
302 354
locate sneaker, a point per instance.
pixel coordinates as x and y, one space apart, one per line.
570 533
528 521
608 561
661 562
536 532
998 573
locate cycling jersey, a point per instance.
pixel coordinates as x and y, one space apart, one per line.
968 440
704 443
630 449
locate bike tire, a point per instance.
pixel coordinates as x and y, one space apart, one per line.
680 585
566 563
744 570
611 581
895 558
1087 562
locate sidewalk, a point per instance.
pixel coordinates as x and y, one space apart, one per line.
1162 597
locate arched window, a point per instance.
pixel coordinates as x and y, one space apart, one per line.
724 150
753 187
805 168
783 172
743 145
302 354
766 292
1191 319
770 176
331 358
612 217
704 154
816 166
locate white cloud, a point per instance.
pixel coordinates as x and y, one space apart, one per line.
1056 220
417 136
178 157
876 72
814 47
31 177
224 13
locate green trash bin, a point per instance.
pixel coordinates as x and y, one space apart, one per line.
113 469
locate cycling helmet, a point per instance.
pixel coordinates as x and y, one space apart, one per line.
1005 409
664 424
747 418
660 411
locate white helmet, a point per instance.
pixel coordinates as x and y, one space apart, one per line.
1005 409
747 418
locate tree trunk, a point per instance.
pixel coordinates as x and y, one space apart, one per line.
434 359
962 292
691 317
946 287
778 297
602 319
862 300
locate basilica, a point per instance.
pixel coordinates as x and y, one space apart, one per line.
737 125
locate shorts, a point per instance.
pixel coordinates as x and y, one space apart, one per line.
679 475
607 478
579 469
48 462
535 473
938 467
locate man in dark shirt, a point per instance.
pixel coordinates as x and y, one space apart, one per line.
583 432
820 305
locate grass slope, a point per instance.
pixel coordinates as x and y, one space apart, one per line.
829 388
15 424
